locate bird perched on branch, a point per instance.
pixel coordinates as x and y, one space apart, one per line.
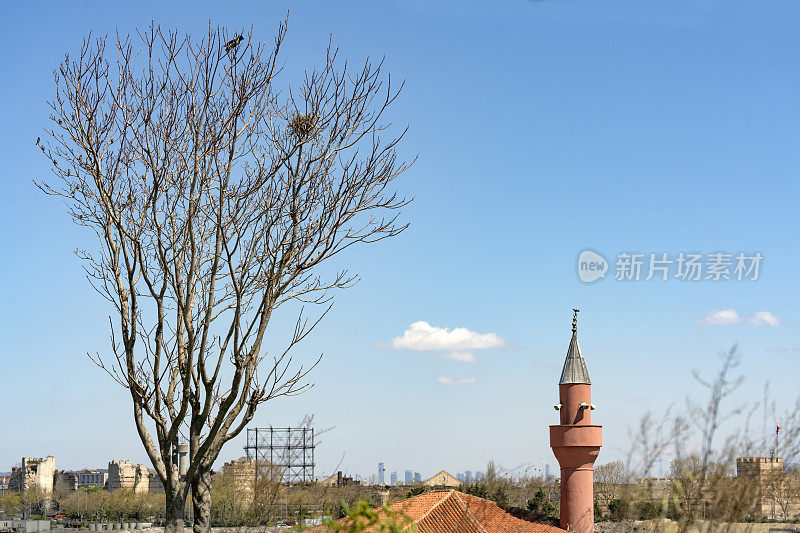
233 43
38 140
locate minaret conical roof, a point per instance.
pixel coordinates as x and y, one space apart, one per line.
574 366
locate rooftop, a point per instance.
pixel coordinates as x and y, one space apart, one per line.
445 511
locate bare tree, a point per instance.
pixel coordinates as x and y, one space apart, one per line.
609 481
216 199
651 440
780 487
491 472
703 484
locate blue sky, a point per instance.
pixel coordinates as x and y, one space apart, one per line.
543 128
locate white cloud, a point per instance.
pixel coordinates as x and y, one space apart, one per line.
422 337
724 317
446 380
721 318
765 317
462 357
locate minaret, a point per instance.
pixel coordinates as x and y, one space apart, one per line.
575 441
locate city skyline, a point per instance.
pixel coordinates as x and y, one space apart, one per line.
465 475
544 130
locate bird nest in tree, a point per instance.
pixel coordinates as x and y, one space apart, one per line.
303 125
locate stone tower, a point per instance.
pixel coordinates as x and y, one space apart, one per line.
768 478
125 475
576 441
36 473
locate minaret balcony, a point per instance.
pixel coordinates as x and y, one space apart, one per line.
566 436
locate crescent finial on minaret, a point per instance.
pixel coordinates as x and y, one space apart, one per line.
575 319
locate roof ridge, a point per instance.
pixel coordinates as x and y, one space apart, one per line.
467 513
449 493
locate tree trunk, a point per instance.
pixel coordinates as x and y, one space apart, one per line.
201 501
174 513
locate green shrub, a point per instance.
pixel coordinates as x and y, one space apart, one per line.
646 510
618 509
540 506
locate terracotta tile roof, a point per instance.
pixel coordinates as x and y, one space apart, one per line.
450 511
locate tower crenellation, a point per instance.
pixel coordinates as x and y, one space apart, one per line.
755 467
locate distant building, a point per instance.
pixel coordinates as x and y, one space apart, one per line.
479 475
442 479
417 477
64 481
125 475
35 473
393 478
381 474
460 477
468 477
409 478
91 478
4 480
156 485
339 480
239 474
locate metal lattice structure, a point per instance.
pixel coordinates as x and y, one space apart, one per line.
289 451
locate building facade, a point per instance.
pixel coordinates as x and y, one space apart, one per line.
91 478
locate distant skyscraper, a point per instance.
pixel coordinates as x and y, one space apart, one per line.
381 474
468 476
460 477
478 475
546 471
409 477
417 477
393 478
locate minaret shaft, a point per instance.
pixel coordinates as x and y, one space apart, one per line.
571 396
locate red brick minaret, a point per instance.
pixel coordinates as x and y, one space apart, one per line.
575 441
